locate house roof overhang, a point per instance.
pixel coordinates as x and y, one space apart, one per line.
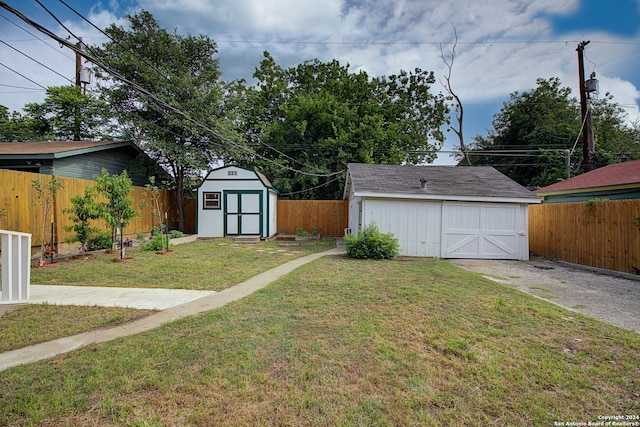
588 190
58 150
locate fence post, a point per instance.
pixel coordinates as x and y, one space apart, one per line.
16 266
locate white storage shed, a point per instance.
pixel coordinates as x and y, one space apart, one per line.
234 201
442 211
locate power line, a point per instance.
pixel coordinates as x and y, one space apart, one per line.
36 61
416 43
36 37
146 92
313 188
19 87
56 19
86 20
23 76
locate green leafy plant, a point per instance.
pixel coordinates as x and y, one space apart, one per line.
100 240
157 244
154 192
176 234
304 233
372 244
46 193
118 211
84 209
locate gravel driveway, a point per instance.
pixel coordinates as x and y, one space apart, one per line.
604 295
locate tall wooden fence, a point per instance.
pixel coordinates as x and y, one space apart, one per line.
330 217
604 234
20 209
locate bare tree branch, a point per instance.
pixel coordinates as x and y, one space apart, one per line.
448 58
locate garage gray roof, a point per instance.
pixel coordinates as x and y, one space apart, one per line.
441 182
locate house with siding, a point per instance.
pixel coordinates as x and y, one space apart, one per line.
618 181
81 159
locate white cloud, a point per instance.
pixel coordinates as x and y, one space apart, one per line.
503 45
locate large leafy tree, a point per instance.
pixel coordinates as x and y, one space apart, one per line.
70 113
305 123
535 130
16 127
177 108
67 113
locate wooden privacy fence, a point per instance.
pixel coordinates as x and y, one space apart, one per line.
330 217
603 234
22 211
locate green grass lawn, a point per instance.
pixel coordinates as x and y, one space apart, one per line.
35 323
346 342
214 264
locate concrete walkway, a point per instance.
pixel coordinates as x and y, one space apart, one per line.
201 304
139 298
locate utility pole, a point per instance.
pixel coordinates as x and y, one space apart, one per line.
587 139
78 63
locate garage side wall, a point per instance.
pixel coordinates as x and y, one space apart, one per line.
416 224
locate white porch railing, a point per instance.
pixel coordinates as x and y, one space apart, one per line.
16 266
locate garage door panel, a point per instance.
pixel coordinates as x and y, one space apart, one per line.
463 244
480 231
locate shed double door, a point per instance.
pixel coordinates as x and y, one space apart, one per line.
243 213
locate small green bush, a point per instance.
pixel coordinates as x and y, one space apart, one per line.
372 244
176 234
155 244
99 240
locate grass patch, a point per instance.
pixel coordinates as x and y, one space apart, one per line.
346 342
214 264
36 323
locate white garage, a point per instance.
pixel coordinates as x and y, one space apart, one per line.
442 211
233 201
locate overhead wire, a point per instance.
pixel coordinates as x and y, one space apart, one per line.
60 51
145 60
36 61
86 20
23 76
312 188
19 87
195 122
146 92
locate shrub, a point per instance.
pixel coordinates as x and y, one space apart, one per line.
155 244
176 234
100 240
371 243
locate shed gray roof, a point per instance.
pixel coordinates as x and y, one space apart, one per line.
444 181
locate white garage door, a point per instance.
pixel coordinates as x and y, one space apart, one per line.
487 231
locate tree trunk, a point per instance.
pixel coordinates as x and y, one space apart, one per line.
122 254
180 197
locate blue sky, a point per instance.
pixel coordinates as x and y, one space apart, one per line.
503 45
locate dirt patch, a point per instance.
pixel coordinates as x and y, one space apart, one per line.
608 296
